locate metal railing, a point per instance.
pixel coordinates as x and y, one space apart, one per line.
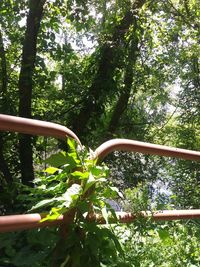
37 127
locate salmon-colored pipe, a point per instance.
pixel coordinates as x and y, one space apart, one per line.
35 127
146 148
29 221
26 221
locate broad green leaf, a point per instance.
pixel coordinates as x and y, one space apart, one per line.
50 217
71 195
75 189
51 170
80 175
163 234
57 160
43 203
115 189
91 181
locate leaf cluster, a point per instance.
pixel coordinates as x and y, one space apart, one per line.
76 185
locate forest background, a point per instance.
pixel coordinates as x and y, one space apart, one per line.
104 69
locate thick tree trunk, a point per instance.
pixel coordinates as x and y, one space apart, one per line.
103 84
3 108
123 99
25 85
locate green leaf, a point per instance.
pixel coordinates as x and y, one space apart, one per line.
75 189
53 215
115 189
50 217
72 144
57 160
43 203
80 175
91 181
163 234
51 170
105 213
71 195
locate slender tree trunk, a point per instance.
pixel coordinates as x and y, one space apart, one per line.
3 93
4 76
25 85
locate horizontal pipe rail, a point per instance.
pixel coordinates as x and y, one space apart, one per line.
35 127
146 148
30 221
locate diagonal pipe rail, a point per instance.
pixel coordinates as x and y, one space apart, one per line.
36 127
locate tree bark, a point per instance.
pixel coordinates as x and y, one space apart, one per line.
4 76
103 83
4 169
122 102
26 86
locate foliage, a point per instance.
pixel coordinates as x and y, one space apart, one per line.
27 248
78 188
103 69
165 244
153 243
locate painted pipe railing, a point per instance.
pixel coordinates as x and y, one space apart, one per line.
29 221
36 127
146 148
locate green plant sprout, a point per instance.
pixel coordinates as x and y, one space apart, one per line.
78 188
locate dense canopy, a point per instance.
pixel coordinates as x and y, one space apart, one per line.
105 69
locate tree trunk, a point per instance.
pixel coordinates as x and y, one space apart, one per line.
103 84
4 76
3 94
122 102
25 85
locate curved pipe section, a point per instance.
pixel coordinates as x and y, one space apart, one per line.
35 127
146 148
